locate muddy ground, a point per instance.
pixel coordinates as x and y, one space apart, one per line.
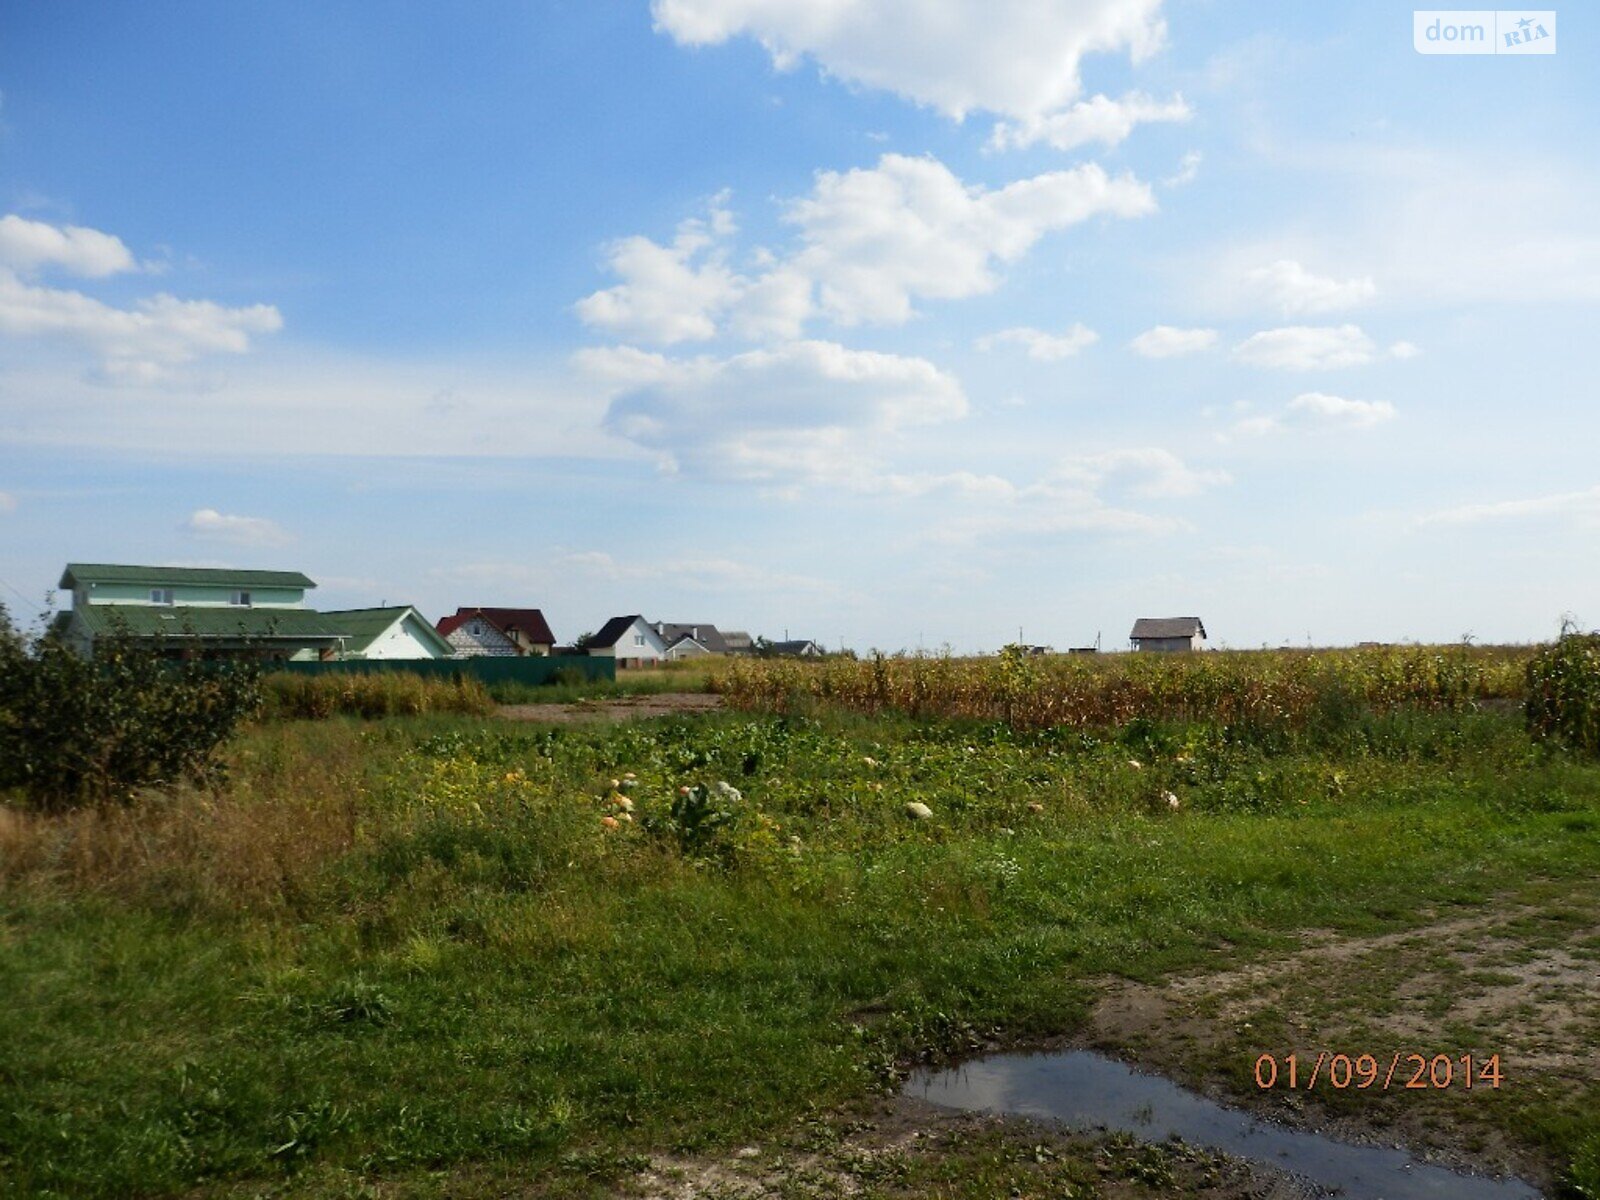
619 708
1520 979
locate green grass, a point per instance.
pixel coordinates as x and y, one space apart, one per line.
469 972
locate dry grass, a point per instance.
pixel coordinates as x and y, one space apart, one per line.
292 807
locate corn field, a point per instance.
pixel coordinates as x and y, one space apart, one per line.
1269 688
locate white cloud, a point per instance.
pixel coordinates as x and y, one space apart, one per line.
136 343
8 503
671 293
1019 58
1336 410
872 242
1404 350
1314 408
1046 347
800 413
211 525
1583 503
26 246
1294 290
1087 494
1146 472
1188 171
1099 119
876 239
1306 348
1166 341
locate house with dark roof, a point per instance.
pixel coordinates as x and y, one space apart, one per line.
796 648
209 611
497 632
738 641
631 640
1168 634
690 639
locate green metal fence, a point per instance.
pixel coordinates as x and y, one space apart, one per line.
486 669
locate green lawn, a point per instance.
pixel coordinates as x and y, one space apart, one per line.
408 952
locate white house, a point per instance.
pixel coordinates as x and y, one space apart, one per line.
632 641
1168 634
400 632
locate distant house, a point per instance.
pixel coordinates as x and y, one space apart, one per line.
1168 634
690 640
374 633
497 632
198 611
799 648
632 641
738 641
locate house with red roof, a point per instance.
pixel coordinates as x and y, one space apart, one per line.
497 632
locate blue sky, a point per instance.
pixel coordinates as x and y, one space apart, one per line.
897 323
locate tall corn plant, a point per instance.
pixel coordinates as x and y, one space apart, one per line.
1564 691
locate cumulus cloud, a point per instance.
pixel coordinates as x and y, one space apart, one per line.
1293 289
871 243
670 293
213 526
876 239
1099 119
136 344
1315 409
1306 348
1166 341
1336 410
1018 58
800 413
1147 472
1046 347
26 246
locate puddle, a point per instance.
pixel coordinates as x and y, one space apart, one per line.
1089 1091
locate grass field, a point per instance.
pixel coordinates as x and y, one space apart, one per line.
448 955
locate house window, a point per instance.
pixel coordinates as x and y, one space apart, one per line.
638 639
241 598
477 629
160 595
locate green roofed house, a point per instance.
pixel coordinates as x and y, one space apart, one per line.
205 611
388 633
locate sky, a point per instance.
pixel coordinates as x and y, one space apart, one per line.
906 324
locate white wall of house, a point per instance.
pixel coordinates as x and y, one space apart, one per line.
1170 645
686 648
477 638
404 639
639 643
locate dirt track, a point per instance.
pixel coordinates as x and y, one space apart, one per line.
622 708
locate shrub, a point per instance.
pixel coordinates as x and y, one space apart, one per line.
1564 692
75 731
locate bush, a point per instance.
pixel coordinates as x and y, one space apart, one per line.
75 731
1564 692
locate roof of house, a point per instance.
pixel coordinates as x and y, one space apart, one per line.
1167 627
183 621
703 632
795 646
362 626
78 573
737 639
529 622
611 632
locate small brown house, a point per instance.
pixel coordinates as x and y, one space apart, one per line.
1168 634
